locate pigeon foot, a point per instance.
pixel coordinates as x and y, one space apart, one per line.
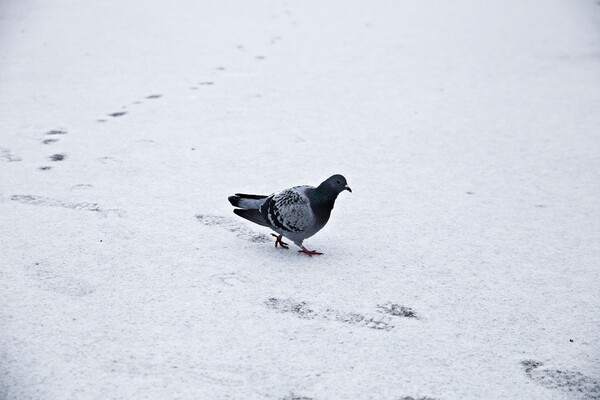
309 252
279 241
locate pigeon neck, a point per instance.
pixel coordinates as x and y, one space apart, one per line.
324 197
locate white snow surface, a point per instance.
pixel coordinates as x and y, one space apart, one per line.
464 265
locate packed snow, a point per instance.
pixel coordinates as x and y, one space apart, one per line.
464 265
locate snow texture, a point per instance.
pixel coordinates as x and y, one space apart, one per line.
464 265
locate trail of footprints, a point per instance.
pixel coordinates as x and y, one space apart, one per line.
53 135
382 320
385 312
576 384
56 135
51 138
385 317
306 310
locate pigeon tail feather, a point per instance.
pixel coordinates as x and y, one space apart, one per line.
246 200
252 215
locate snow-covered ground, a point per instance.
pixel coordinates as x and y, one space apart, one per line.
465 265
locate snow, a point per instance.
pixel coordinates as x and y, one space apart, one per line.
464 265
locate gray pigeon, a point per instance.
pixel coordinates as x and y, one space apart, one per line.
296 213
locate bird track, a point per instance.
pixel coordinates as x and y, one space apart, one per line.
573 382
50 202
231 225
396 310
293 396
305 310
7 156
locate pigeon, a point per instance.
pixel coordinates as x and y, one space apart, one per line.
296 213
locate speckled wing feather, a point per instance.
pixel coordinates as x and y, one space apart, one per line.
289 210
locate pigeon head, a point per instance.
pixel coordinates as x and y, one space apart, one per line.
324 195
336 184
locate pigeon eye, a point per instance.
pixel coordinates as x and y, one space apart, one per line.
338 182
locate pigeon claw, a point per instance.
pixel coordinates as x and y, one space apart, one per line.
280 242
309 252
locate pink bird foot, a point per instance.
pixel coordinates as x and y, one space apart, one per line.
279 241
309 252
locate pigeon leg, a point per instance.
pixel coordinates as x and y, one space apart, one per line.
279 241
309 252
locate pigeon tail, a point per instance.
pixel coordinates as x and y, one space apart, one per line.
251 215
247 201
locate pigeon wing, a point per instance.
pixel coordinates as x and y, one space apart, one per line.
289 210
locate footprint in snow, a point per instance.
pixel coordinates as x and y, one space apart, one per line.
50 202
109 160
229 278
82 186
54 133
396 310
416 398
305 310
575 383
7 156
57 157
231 225
57 132
292 396
117 114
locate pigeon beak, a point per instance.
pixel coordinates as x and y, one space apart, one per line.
348 188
